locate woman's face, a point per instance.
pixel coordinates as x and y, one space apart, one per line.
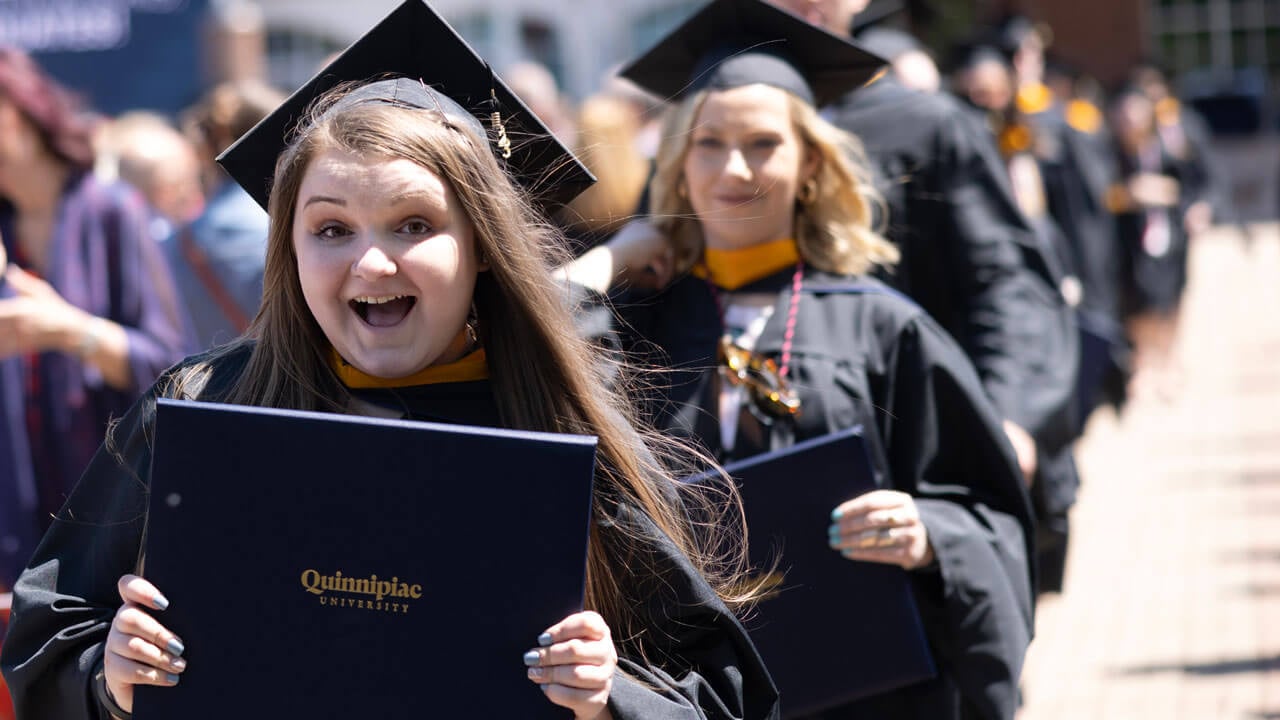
744 166
1133 119
387 261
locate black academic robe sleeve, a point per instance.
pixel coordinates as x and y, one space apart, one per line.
693 658
969 256
944 446
65 600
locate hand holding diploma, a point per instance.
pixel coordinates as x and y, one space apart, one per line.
140 651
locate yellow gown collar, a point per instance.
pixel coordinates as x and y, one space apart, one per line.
732 269
1034 99
473 366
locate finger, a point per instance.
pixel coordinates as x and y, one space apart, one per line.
23 282
899 555
130 672
584 703
571 652
874 500
134 620
873 538
583 677
134 589
896 517
584 626
134 648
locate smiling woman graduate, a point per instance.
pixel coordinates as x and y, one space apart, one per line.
406 276
774 334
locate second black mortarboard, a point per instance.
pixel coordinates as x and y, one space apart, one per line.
731 43
438 70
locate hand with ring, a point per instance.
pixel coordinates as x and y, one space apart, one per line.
881 526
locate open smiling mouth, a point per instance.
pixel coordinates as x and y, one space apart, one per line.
383 311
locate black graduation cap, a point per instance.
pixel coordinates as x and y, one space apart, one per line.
438 71
730 43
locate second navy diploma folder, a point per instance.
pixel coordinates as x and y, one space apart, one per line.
324 566
833 630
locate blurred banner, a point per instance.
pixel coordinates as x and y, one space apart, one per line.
120 54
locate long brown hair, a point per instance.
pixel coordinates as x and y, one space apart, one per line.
833 230
544 376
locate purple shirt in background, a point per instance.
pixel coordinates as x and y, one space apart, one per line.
102 260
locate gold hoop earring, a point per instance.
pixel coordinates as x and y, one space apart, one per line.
808 192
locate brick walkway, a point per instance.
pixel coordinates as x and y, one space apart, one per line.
1172 603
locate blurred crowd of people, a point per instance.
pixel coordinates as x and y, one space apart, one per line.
127 249
1042 220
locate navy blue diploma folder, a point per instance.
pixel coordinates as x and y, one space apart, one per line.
324 566
835 630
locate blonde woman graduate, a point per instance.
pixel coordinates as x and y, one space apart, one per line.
761 307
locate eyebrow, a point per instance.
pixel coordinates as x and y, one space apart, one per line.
325 199
426 195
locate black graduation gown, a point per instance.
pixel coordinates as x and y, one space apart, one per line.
1154 281
700 662
969 257
867 356
1078 170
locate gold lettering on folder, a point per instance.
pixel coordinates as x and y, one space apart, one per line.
390 596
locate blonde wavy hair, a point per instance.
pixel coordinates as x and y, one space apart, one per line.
833 229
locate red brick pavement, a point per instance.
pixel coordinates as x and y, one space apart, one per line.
1172 602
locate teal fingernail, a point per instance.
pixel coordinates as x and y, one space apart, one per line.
175 646
161 602
531 658
173 679
544 640
535 673
835 514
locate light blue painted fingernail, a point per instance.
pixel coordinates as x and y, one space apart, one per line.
175 646
847 552
173 679
160 602
836 514
544 640
531 658
535 673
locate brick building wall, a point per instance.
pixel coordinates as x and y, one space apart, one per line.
1101 37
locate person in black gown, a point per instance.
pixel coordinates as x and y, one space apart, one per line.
406 276
969 256
766 254
1162 202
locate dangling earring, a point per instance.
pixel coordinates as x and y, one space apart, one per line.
808 192
473 337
